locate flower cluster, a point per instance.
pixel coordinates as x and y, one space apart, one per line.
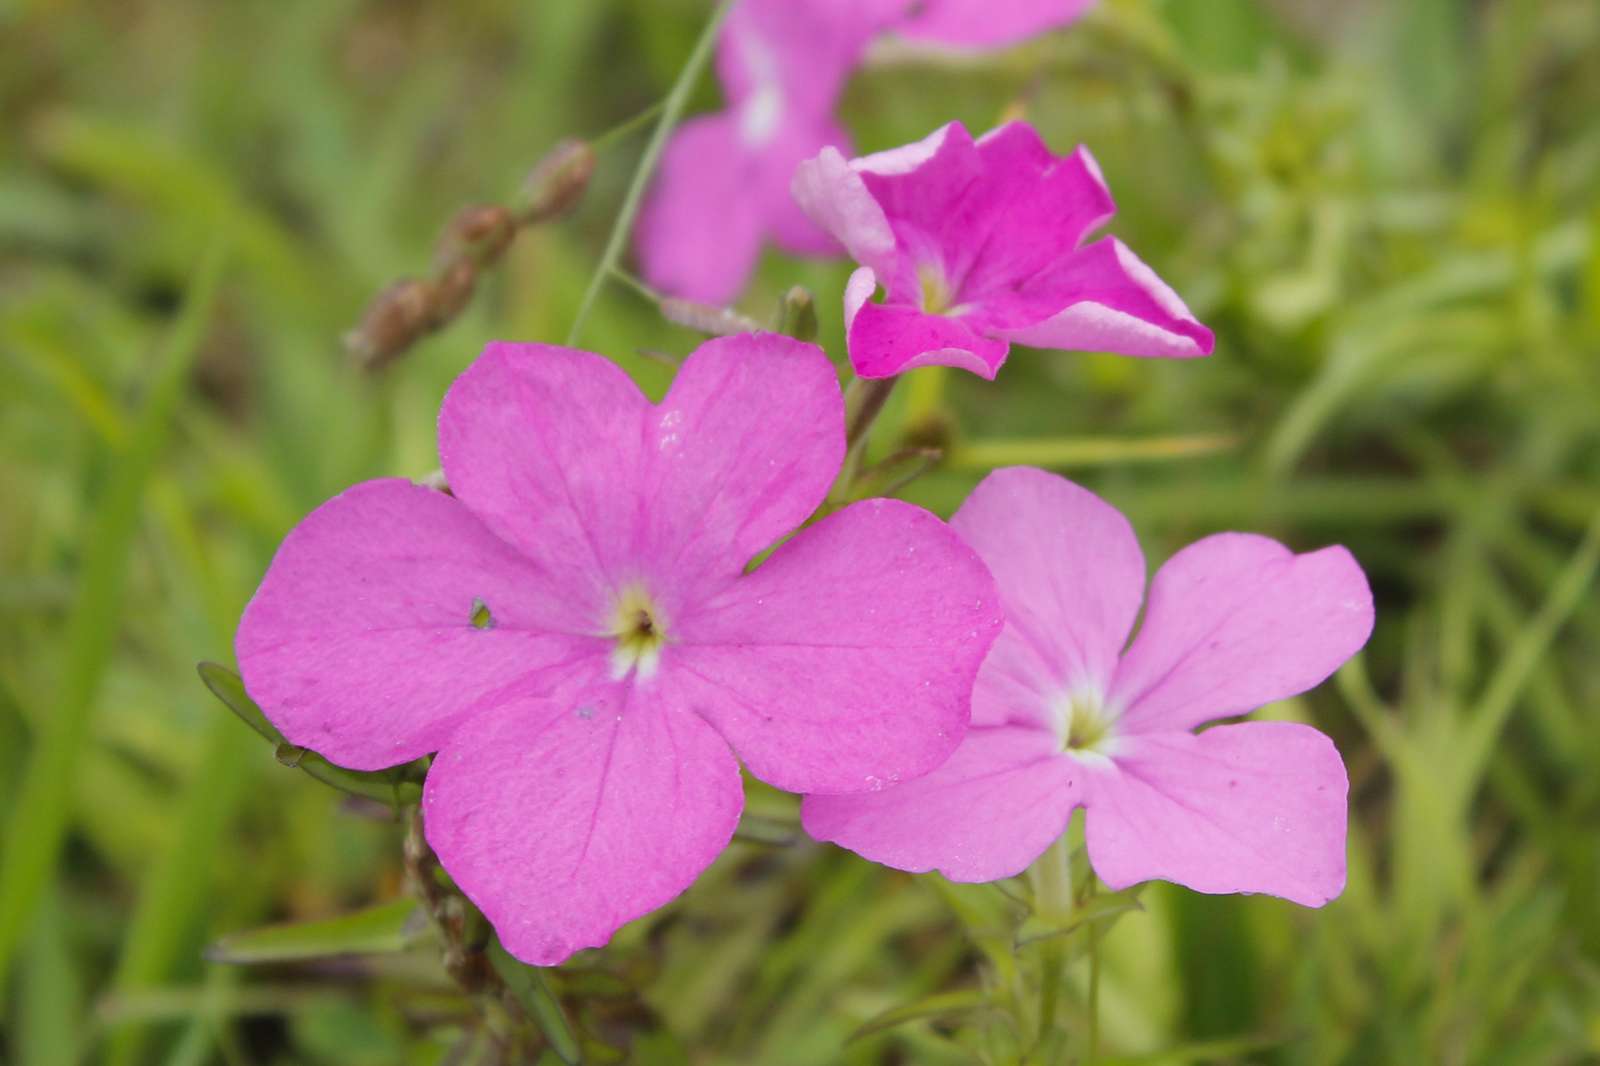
723 187
576 632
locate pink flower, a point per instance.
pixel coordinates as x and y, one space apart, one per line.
980 244
985 24
1063 717
574 632
723 186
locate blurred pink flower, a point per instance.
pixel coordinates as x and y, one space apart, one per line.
574 633
1062 716
979 24
980 244
723 186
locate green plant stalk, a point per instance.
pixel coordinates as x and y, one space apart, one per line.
677 99
38 821
1051 875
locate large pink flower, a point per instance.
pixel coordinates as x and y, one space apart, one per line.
1063 717
583 728
980 244
979 24
723 187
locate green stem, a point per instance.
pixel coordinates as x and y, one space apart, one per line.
1051 875
605 140
670 112
1093 929
863 401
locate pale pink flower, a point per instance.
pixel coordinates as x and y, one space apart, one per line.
723 186
981 24
574 632
981 243
1063 717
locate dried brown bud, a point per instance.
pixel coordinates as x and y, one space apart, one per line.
394 320
482 231
451 291
557 182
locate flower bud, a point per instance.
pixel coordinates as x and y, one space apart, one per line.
451 291
482 231
394 320
557 182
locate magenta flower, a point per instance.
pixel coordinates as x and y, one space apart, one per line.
980 244
1063 717
979 24
574 632
723 186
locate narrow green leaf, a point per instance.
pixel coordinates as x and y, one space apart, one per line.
228 687
1087 451
377 930
1100 910
397 787
527 983
38 821
940 1005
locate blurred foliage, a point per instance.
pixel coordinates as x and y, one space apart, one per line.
1386 210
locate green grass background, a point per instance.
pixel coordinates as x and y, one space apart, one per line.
1386 208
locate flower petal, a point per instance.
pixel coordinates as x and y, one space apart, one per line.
360 642
987 813
1254 807
1070 575
545 445
977 24
833 195
1100 298
889 339
1236 621
699 235
845 661
743 449
563 820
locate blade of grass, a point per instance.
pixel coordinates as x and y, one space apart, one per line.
38 819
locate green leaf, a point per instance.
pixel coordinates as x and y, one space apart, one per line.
940 1005
378 930
398 787
527 983
1100 910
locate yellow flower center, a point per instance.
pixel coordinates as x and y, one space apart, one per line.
935 289
1083 723
638 627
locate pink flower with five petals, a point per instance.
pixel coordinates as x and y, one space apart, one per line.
981 243
723 186
575 634
1063 717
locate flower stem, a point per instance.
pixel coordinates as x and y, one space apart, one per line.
1093 930
1051 875
676 100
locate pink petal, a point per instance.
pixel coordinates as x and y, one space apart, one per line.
1068 566
987 813
699 234
980 24
563 820
832 195
545 445
743 449
1039 208
1236 621
846 660
889 339
360 644
1255 807
801 51
1100 298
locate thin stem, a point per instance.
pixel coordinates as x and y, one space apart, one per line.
863 400
671 109
1051 875
1093 929
627 126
